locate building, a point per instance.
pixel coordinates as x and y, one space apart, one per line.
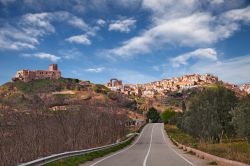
245 88
115 84
28 75
164 86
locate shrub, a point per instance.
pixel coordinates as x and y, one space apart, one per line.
112 95
98 88
167 115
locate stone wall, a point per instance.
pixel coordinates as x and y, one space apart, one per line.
28 75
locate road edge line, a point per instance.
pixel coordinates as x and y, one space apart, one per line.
121 150
150 144
164 136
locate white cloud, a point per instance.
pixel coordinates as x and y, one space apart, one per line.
95 70
44 20
180 23
27 31
79 23
70 54
38 20
234 70
216 2
203 53
101 22
170 8
15 39
43 55
237 15
84 38
122 25
79 39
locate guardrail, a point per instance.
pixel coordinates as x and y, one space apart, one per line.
55 157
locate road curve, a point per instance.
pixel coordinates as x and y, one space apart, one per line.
151 148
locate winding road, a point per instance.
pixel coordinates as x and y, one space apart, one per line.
151 148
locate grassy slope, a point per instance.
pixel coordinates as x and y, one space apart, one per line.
238 150
23 95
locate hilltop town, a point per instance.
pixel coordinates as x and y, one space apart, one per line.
165 86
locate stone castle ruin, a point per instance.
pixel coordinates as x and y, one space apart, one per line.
28 75
115 84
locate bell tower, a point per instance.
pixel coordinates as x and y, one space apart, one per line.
53 67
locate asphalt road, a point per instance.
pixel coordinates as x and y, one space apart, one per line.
151 148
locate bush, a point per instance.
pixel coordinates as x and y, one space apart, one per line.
112 95
167 115
98 88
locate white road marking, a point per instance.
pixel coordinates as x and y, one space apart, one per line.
146 157
175 150
120 151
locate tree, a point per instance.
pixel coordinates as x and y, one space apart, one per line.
153 115
208 114
167 115
183 105
241 116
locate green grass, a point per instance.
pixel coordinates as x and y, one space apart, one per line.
180 136
76 160
99 88
46 85
238 150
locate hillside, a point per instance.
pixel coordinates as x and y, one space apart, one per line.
47 94
44 117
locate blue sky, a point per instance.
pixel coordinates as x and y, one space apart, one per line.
136 41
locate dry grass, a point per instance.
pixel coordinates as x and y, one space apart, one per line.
238 150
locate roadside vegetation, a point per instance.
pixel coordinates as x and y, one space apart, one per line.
77 160
215 121
233 148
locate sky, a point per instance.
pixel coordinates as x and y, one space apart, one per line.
137 41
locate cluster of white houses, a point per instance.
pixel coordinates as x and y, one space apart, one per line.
165 86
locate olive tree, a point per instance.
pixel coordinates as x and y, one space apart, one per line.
241 118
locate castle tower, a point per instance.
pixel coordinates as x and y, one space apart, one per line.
53 67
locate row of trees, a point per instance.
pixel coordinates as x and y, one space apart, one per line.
213 114
28 136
